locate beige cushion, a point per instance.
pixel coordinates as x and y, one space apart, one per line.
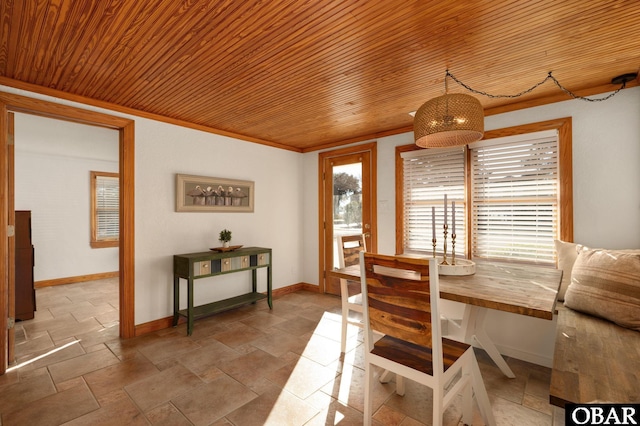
606 283
567 254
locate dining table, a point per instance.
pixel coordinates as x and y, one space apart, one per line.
522 289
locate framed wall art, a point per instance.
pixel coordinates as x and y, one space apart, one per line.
209 194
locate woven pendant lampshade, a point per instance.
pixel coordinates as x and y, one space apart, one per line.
448 120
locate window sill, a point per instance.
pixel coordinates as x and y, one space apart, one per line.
104 244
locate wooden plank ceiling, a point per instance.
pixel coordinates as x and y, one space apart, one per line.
304 75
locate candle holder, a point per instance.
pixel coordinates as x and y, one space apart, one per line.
453 248
444 255
433 241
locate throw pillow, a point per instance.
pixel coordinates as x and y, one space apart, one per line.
567 254
606 283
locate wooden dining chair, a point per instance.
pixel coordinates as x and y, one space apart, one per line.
349 248
400 300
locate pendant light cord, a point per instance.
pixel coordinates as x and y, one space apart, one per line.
535 86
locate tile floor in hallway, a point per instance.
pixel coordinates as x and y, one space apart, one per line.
249 366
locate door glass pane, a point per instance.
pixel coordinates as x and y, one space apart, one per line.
347 203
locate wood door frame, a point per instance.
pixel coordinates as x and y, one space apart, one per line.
371 148
11 219
16 103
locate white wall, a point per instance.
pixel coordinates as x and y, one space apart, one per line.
606 175
161 151
53 159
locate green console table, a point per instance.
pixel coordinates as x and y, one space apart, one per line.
192 266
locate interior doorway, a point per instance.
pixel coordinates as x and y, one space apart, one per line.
14 103
347 203
56 202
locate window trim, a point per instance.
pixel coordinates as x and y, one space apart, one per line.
565 222
95 242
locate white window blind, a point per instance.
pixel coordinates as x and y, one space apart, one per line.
429 174
515 198
107 208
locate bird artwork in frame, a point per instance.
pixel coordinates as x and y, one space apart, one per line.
209 194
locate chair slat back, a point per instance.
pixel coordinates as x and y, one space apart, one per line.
398 297
349 247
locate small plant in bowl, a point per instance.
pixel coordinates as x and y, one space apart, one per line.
225 237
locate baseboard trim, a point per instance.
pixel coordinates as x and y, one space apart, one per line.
76 279
156 325
295 287
167 322
310 287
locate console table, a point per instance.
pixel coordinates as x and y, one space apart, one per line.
193 266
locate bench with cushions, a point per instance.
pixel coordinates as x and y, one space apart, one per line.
597 350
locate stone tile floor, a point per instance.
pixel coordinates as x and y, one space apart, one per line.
249 366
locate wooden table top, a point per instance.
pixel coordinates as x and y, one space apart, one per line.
520 289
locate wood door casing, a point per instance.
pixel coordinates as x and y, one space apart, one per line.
126 128
365 154
11 218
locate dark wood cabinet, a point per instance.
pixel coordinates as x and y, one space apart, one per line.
24 290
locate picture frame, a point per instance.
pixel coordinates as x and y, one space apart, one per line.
211 194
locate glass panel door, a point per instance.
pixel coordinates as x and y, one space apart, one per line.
348 204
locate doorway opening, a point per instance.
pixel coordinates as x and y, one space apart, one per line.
15 103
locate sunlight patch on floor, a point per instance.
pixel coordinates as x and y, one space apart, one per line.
51 352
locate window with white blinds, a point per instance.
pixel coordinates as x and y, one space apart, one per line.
514 197
105 209
429 174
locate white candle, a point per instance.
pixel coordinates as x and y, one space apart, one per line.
453 217
433 223
445 209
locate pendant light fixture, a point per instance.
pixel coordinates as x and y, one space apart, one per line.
448 120
458 119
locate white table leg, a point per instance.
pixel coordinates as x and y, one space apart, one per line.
473 326
385 377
